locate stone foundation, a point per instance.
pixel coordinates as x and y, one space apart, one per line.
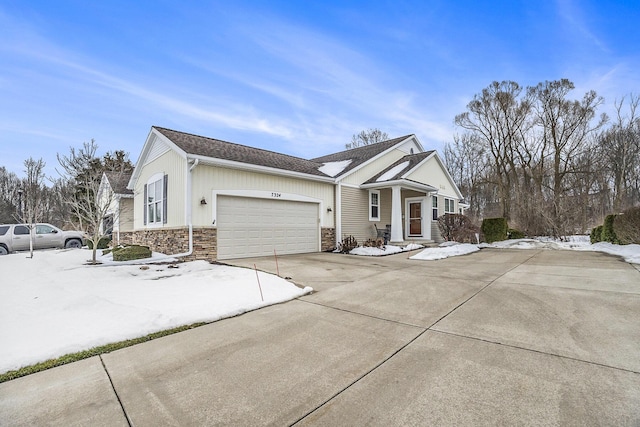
170 241
328 236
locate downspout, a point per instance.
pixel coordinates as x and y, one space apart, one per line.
338 218
188 211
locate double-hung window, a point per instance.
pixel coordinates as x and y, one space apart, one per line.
434 208
155 200
374 205
449 206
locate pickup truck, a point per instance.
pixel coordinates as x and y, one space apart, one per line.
15 237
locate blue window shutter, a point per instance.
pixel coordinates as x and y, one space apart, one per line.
164 199
144 205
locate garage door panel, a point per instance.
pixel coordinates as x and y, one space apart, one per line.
255 227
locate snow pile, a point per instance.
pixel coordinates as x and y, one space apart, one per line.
630 253
385 250
446 251
334 168
393 172
55 304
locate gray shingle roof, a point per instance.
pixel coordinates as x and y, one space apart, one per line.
361 154
413 160
119 181
215 148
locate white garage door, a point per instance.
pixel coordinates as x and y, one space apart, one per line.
249 227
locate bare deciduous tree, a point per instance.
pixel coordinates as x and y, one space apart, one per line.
83 171
499 118
565 126
620 146
367 137
33 188
544 160
9 186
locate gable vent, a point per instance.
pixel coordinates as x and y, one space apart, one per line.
157 149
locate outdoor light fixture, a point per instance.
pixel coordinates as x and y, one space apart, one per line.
203 201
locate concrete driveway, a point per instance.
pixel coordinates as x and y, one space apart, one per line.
499 337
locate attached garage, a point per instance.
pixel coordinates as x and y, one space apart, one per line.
250 227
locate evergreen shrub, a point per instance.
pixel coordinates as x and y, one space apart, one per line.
596 235
132 252
608 233
494 229
515 234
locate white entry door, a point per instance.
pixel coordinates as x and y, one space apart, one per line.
249 227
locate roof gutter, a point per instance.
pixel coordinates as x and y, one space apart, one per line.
188 211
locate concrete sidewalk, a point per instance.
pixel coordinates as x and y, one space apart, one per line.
499 337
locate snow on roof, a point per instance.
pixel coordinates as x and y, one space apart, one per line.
393 172
334 168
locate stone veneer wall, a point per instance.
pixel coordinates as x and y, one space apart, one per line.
205 241
171 241
328 236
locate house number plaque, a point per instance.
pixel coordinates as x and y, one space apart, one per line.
276 194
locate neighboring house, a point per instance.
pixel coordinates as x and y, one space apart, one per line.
118 202
203 198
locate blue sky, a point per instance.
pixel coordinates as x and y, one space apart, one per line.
294 77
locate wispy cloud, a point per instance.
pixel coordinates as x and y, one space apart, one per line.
330 75
574 17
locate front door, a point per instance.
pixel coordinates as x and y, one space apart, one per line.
415 218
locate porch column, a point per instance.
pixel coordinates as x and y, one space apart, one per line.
396 215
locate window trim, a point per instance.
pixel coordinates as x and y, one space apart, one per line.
371 205
434 208
160 205
449 206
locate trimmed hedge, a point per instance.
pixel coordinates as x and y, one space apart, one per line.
494 229
132 252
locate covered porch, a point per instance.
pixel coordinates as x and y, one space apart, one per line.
406 206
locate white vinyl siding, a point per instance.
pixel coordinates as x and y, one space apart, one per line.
249 227
209 179
355 215
174 166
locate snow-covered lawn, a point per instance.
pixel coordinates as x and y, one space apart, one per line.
55 304
385 250
630 253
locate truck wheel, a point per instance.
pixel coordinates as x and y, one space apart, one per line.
3 250
73 244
